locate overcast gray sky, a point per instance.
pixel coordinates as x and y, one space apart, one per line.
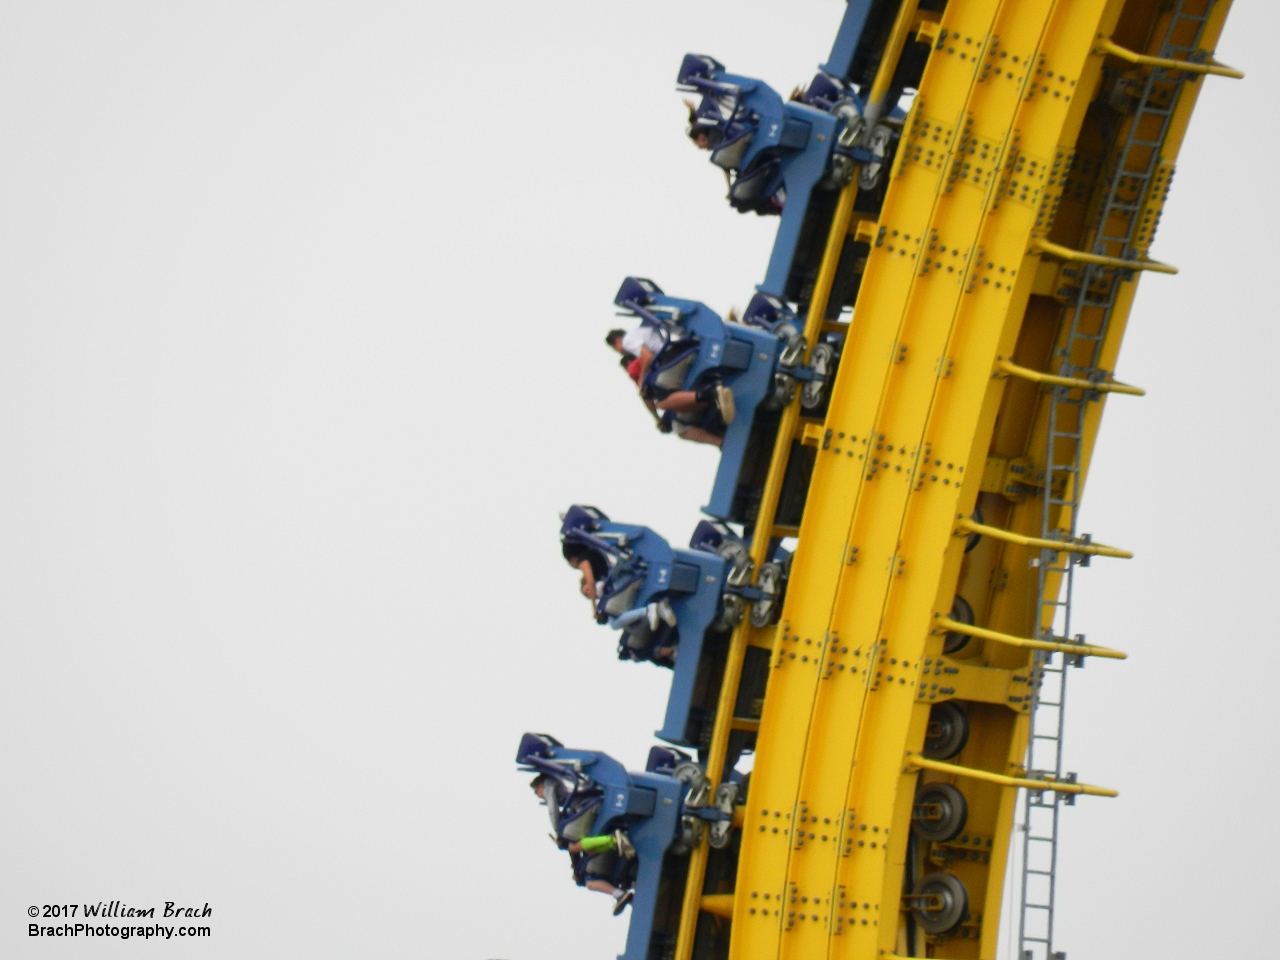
301 321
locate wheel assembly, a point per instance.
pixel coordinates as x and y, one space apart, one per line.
961 612
770 584
948 731
939 902
940 813
691 775
822 362
972 540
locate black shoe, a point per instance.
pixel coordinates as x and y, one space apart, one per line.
623 900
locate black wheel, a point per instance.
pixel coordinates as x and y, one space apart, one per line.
973 539
940 813
961 612
948 731
947 909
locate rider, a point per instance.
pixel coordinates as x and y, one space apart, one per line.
686 412
600 863
593 562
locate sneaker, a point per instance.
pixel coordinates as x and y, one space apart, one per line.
623 844
622 902
652 612
665 613
724 400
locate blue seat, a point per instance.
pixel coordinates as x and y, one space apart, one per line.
792 156
644 569
709 588
779 151
652 808
761 359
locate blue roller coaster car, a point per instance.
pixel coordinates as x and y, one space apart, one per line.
676 607
778 152
762 359
663 812
790 157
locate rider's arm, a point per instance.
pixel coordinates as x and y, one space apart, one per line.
646 358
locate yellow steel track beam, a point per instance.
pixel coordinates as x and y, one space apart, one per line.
967 311
1079 649
801 640
1061 546
949 163
924 763
1211 66
1037 376
789 426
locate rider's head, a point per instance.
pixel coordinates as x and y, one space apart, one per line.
697 131
538 785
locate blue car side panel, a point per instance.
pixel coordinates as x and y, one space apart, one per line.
801 172
651 837
750 388
695 612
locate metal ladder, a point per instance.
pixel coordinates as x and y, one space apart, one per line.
1117 223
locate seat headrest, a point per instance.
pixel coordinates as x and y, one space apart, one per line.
664 760
539 745
765 310
698 66
824 90
581 518
637 290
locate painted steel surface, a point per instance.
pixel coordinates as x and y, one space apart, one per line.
927 567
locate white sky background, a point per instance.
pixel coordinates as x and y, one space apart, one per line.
302 311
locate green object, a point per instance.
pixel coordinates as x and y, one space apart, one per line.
598 844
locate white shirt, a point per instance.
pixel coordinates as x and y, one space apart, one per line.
642 336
